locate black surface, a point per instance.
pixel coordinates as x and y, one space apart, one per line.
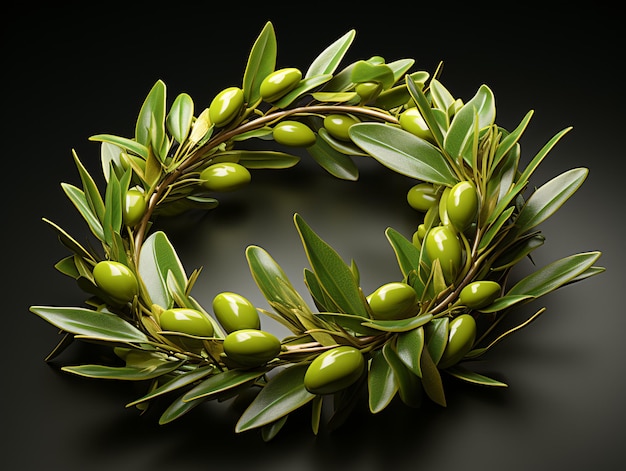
71 72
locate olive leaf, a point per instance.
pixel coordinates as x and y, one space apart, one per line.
68 241
399 325
177 409
335 276
364 71
90 324
261 63
438 126
382 384
269 431
409 384
127 373
305 85
436 336
335 163
510 141
403 152
327 62
466 375
265 159
431 379
407 254
283 393
150 125
180 117
409 346
124 143
221 382
113 212
156 259
78 198
90 189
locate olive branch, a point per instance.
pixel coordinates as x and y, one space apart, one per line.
477 218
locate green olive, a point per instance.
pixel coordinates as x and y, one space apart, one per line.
338 125
225 176
461 336
134 207
293 134
334 370
442 243
251 347
418 235
422 196
411 120
395 300
479 294
226 106
442 208
187 321
462 205
234 312
368 91
279 83
117 280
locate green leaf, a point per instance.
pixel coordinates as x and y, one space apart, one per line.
506 302
178 382
331 57
403 152
284 393
335 276
90 189
511 140
409 346
177 409
437 128
265 159
261 63
409 385
473 377
90 324
364 71
431 379
124 143
78 198
337 164
547 199
124 373
461 131
517 251
222 382
494 229
554 275
436 334
407 254
399 325
381 382
269 431
150 126
113 212
349 322
69 242
180 117
156 259
304 86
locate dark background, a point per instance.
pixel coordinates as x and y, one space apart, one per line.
75 70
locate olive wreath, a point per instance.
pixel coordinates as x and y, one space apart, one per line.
478 217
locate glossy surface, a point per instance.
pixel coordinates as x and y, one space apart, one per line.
116 279
461 336
368 91
279 83
338 125
479 294
186 321
225 106
234 312
442 243
462 205
134 207
334 370
225 176
422 196
411 120
251 347
293 134
395 300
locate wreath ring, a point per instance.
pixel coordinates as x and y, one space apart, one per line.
479 219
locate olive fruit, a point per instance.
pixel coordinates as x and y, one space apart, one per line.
116 280
411 120
225 176
442 243
479 294
462 205
338 125
251 347
422 196
334 370
186 321
395 300
368 91
134 207
461 336
234 312
293 134
279 83
225 106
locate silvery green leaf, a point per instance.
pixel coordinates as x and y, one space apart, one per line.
399 325
177 409
331 56
180 117
87 323
407 254
337 164
92 194
305 85
283 393
261 63
437 127
522 247
69 242
113 209
343 147
266 159
156 259
511 140
464 374
77 197
222 382
441 96
401 66
110 154
124 143
125 373
364 71
150 125
409 346
403 152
